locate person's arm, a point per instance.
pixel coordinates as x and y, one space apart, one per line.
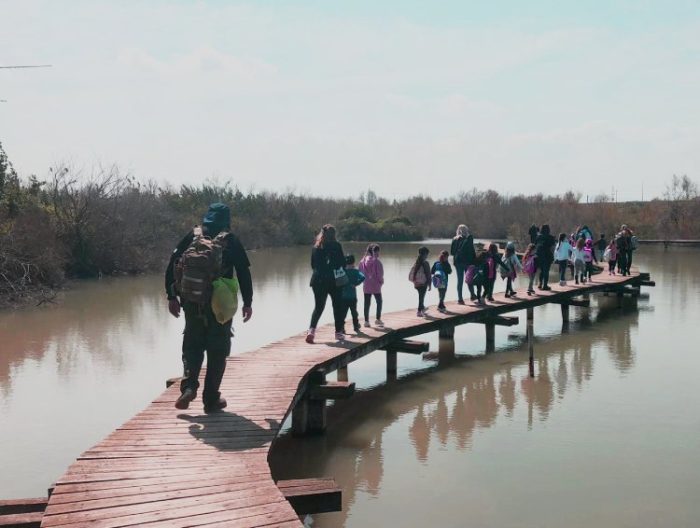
360 278
453 246
380 268
447 268
245 280
173 302
426 268
432 269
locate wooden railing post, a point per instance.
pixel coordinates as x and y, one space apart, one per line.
531 339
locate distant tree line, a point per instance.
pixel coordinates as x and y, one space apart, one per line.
107 222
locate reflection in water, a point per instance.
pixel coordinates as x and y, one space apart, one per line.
449 402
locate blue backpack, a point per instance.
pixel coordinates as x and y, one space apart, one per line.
439 277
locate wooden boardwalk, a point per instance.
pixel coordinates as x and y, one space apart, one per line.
170 468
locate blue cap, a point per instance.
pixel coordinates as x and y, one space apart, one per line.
218 218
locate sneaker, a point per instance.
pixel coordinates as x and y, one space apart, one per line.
490 298
419 313
310 336
507 294
562 283
357 328
215 406
473 297
530 292
340 336
379 322
461 301
183 402
367 325
442 309
547 288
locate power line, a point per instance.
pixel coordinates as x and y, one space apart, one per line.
14 67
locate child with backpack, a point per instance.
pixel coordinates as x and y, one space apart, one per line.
561 256
349 293
530 267
589 258
476 276
510 268
373 270
611 256
493 261
440 271
420 277
578 259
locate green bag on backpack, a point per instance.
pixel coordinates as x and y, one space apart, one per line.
224 299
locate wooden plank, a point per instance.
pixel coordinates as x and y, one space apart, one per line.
311 496
21 520
408 346
31 505
332 390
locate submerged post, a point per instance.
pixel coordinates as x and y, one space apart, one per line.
391 365
490 337
531 339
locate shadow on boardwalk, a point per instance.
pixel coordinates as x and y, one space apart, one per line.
227 431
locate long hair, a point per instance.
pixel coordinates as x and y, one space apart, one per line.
529 251
580 243
462 231
493 250
544 230
562 237
327 234
423 253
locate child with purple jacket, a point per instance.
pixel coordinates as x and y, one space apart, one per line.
373 270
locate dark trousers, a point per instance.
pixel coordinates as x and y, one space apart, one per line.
321 292
509 285
490 284
441 293
461 269
629 261
203 332
622 262
589 270
351 306
563 264
611 265
544 272
421 296
368 303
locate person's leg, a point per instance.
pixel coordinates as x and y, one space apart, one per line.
545 274
562 271
339 309
380 302
355 315
421 297
629 261
611 267
442 292
368 302
194 342
320 296
531 286
218 349
472 295
460 282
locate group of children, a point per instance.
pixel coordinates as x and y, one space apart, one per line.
576 252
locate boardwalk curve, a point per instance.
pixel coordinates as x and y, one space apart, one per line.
170 468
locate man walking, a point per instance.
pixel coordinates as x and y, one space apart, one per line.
202 330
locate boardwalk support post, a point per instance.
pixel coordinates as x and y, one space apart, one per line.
309 415
490 337
342 373
565 312
531 339
391 365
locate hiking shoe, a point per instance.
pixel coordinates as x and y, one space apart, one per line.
215 406
183 402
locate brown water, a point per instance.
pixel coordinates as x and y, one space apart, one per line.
607 434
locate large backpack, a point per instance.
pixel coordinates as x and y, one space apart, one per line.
439 277
417 275
199 266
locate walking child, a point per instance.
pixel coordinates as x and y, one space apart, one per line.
579 261
355 278
589 258
420 277
561 255
440 271
493 262
476 277
530 267
611 256
373 270
511 265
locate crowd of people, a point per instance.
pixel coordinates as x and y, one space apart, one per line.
478 266
211 254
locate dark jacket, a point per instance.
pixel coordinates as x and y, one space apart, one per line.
533 232
355 278
462 249
324 260
445 266
545 247
234 256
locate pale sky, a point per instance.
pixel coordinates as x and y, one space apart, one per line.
333 98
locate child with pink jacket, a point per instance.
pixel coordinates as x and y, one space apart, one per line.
373 270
